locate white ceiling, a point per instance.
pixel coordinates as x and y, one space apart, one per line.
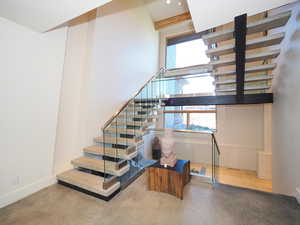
159 9
214 13
43 15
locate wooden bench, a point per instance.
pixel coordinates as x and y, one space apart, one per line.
170 180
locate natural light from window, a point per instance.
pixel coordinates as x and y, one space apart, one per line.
201 84
185 54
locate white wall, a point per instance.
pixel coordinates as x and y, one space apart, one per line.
286 110
240 136
72 135
108 60
31 73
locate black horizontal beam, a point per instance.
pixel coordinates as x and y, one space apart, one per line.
220 100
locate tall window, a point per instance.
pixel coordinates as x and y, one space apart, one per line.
201 118
184 51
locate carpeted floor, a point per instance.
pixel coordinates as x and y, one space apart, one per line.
202 205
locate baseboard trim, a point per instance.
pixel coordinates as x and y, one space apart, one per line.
25 191
298 194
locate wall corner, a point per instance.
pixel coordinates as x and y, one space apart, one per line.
298 194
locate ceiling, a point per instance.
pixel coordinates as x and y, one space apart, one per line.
42 15
159 9
216 12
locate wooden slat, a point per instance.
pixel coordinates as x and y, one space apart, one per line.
141 124
111 152
87 181
115 140
136 116
249 58
172 21
247 80
138 109
190 70
122 130
253 69
250 44
103 166
253 27
249 88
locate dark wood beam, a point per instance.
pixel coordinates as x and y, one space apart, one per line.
172 20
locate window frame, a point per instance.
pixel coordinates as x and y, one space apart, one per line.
181 38
188 113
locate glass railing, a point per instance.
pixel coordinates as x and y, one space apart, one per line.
188 85
200 148
122 140
122 135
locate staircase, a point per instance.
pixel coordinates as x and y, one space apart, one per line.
114 160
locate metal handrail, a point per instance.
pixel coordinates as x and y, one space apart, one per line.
214 137
186 76
190 131
162 70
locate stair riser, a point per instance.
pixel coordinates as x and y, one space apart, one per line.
105 198
111 168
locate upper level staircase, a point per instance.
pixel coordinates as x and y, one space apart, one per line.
261 48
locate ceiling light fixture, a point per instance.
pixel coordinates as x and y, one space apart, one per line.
179 3
168 2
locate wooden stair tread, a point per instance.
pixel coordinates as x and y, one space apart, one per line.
249 58
88 182
122 130
252 69
252 79
265 41
253 27
131 116
249 88
112 152
100 165
131 123
114 140
138 109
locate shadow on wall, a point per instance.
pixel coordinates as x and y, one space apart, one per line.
296 35
298 17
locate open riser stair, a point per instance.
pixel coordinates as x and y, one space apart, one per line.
261 46
106 166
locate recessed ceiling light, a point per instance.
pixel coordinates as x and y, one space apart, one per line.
179 3
168 2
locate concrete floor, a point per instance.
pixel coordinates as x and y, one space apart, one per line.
202 205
